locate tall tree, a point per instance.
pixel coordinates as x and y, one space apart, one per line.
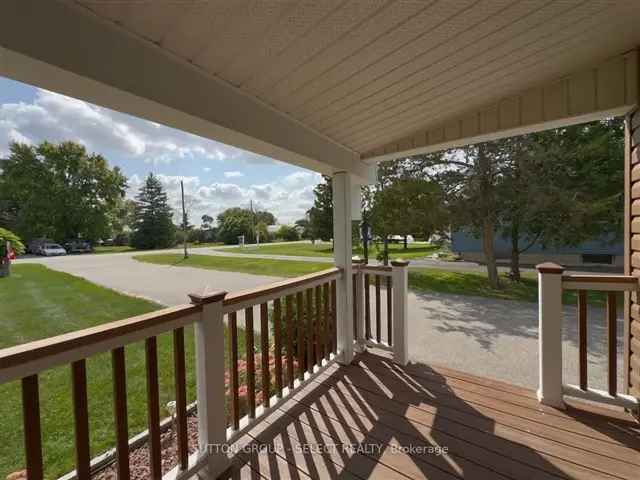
59 191
235 222
153 227
321 213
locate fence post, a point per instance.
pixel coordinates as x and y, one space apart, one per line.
210 346
550 334
400 274
358 301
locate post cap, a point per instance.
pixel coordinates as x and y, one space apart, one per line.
549 267
207 296
399 262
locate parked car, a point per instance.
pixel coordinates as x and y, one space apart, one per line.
52 250
35 245
78 246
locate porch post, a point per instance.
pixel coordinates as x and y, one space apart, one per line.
400 292
342 199
209 343
550 334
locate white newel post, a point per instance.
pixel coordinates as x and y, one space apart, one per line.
400 291
342 199
550 334
209 343
361 343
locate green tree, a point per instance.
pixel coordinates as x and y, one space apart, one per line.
263 232
321 213
287 233
59 191
207 221
262 216
233 226
154 226
304 226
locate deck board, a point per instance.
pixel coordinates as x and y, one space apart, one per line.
388 416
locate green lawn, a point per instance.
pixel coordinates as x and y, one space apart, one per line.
476 284
257 266
323 249
113 249
35 303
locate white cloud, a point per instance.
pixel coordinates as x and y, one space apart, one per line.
287 198
233 174
56 117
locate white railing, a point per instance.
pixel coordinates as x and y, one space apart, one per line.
552 389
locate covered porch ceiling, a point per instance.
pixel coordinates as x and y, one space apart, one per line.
334 85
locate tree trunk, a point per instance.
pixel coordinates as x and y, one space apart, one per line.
386 251
514 273
405 242
365 242
488 220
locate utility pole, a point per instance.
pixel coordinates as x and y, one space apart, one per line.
184 221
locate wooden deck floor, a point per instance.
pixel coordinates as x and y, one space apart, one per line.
376 420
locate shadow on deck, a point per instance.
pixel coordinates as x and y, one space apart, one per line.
374 419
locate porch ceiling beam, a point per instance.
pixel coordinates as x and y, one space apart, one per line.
62 47
605 90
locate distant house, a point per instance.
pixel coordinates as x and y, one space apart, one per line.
604 251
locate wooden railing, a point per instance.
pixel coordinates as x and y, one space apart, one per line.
26 362
297 335
307 305
552 283
375 324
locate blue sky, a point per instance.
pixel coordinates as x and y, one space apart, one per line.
216 176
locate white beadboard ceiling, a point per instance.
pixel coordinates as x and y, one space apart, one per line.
368 72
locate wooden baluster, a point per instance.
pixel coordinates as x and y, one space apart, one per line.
153 408
250 361
612 343
301 338
355 306
310 330
120 412
582 338
378 311
290 335
233 369
264 350
327 322
367 307
318 331
277 341
180 372
81 418
334 316
389 312
31 422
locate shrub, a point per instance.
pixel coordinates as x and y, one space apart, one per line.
16 243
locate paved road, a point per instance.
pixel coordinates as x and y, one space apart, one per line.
488 337
165 284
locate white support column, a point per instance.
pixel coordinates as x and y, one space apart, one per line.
400 286
342 198
550 334
361 343
209 343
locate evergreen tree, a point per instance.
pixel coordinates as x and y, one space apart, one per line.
321 214
153 226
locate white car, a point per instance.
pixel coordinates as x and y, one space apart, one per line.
52 250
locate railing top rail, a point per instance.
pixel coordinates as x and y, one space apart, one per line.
31 357
600 282
277 289
376 269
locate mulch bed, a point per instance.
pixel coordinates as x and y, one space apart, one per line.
139 457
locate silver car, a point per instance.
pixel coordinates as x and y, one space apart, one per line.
52 250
